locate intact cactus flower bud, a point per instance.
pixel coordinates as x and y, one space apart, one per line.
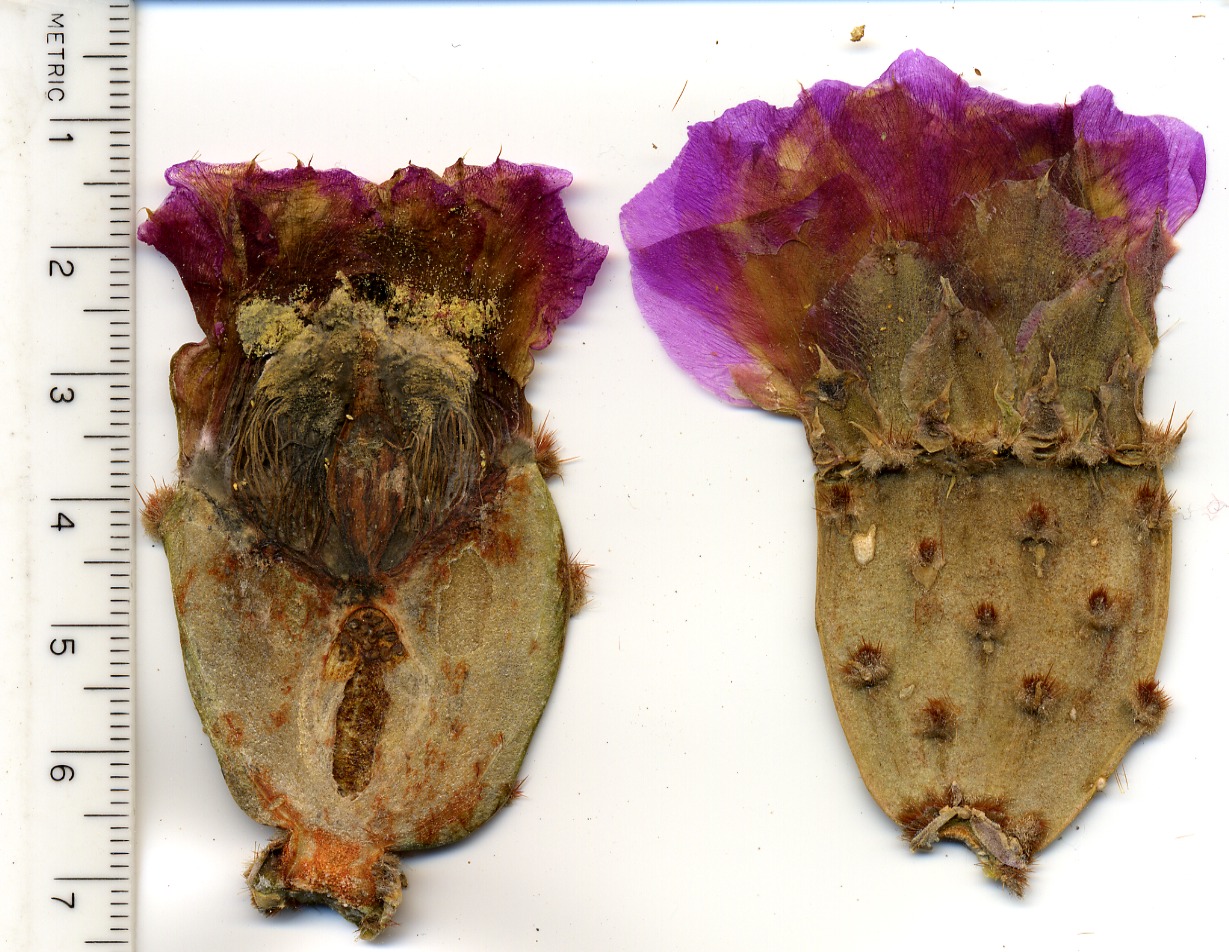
954 293
369 574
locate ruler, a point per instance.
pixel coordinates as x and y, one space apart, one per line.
70 755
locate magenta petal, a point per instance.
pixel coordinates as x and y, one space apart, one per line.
236 232
739 250
689 311
1139 164
528 220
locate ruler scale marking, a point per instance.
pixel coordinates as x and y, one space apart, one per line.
81 629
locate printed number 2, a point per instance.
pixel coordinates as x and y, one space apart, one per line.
65 268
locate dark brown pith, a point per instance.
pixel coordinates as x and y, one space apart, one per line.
367 645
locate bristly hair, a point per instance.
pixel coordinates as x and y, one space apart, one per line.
514 790
361 473
937 719
1037 694
838 506
1161 441
1149 703
866 666
1153 507
154 507
546 452
575 578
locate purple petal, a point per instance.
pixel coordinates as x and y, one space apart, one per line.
1134 165
737 249
529 244
498 234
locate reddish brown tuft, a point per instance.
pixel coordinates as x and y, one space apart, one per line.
1029 829
841 497
1160 441
546 452
916 815
927 550
937 719
514 791
1152 506
1149 704
1036 524
1012 879
995 809
1103 612
154 508
866 666
987 632
1037 694
575 584
839 507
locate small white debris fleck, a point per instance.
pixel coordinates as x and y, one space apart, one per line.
1073 714
864 545
907 691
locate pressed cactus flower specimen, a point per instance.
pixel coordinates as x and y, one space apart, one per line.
368 570
954 293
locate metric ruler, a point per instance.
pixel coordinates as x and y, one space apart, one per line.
69 512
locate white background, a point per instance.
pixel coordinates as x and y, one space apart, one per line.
689 786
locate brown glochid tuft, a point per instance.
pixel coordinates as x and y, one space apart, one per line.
839 506
576 584
1101 614
514 791
1149 704
937 719
1029 829
1152 506
987 631
866 666
1037 694
546 452
1035 526
927 549
1161 440
1012 879
916 815
154 508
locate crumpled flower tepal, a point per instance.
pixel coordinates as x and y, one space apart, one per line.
954 293
369 573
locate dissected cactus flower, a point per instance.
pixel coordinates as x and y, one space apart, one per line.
954 293
368 570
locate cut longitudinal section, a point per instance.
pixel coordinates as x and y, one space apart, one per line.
367 647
